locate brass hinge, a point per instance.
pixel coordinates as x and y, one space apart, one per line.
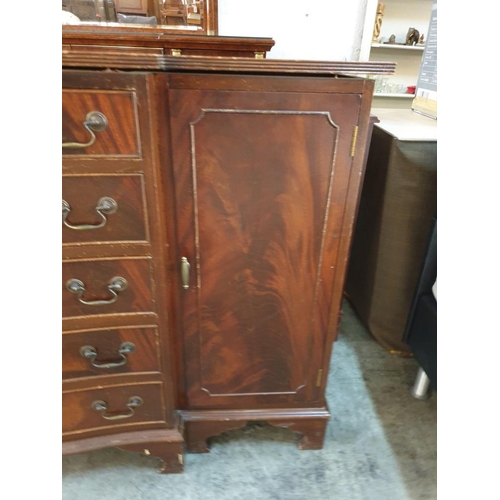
354 139
259 55
318 378
176 52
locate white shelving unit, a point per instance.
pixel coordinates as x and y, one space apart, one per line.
399 15
395 96
397 47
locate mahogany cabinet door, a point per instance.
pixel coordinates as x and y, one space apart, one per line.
260 183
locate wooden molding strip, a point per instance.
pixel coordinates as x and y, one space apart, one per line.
259 415
157 37
158 62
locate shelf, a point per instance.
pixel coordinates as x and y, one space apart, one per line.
398 15
418 48
387 94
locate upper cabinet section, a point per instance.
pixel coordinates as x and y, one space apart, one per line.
176 16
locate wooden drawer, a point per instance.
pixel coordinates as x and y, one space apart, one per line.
87 218
99 283
101 352
112 406
120 136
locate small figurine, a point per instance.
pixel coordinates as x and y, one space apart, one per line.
378 22
421 39
412 36
392 39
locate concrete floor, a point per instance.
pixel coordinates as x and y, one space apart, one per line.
409 425
380 445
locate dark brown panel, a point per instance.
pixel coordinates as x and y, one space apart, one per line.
268 180
97 275
78 414
106 344
121 135
127 223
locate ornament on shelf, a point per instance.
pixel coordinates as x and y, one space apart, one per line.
392 39
421 39
378 22
412 36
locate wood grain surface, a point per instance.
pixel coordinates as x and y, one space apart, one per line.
158 37
96 275
121 135
107 342
213 64
82 193
200 425
78 416
262 178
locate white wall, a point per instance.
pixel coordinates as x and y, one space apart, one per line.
328 30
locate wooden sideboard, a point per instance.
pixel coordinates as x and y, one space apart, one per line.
208 206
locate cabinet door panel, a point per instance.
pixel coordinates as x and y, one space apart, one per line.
261 181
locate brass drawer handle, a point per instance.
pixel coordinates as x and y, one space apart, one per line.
115 286
94 122
90 352
185 269
102 406
105 206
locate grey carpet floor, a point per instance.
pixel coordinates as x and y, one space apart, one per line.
380 445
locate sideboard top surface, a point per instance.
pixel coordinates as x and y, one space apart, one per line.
119 48
159 62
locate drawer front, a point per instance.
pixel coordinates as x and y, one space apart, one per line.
112 406
103 208
120 133
101 352
106 287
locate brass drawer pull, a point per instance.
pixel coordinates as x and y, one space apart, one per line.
94 122
102 406
90 352
185 269
115 286
105 206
